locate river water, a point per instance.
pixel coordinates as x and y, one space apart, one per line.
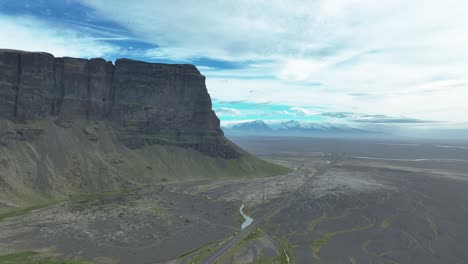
247 219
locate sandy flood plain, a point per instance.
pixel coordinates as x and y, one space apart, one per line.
338 209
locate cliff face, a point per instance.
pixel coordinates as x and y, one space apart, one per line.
147 103
70 126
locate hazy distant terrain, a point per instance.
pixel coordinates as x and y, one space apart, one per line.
389 148
393 201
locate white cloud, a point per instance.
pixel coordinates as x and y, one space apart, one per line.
284 112
442 105
299 70
28 33
410 55
205 68
226 111
300 111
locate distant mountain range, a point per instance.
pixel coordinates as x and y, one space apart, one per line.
292 128
254 126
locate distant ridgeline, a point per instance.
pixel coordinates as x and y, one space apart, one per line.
70 125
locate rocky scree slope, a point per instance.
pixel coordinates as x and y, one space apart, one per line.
71 125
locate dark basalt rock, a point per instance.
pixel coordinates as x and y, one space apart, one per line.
148 103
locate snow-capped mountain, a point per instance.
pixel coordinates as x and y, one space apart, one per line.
257 126
292 128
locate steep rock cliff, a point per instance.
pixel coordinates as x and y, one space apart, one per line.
148 103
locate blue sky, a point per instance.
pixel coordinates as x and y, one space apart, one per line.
382 62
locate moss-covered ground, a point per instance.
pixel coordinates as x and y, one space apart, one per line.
30 257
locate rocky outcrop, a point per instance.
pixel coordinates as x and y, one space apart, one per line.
146 103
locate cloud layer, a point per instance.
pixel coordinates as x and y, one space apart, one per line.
32 34
405 60
399 55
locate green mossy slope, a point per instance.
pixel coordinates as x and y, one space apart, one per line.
56 161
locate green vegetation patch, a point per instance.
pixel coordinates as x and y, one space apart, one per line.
323 218
271 228
198 254
21 211
239 218
257 233
284 249
29 257
386 222
285 256
322 240
412 241
158 210
276 260
83 201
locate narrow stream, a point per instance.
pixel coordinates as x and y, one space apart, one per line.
286 254
247 219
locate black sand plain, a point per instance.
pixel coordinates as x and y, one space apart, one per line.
345 201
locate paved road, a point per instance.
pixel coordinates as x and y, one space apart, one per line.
271 212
